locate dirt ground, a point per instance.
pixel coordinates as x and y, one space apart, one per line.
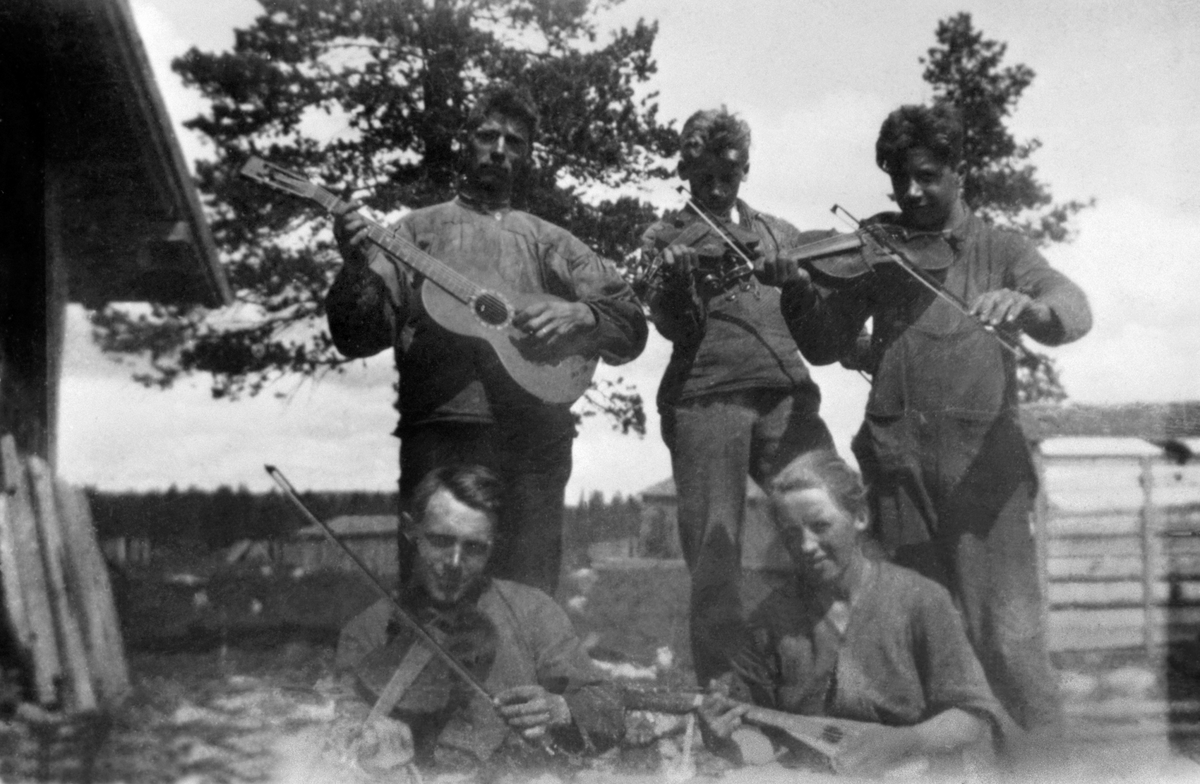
232 683
279 715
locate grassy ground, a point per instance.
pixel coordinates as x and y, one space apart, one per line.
232 674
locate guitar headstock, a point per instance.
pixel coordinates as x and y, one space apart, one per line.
278 178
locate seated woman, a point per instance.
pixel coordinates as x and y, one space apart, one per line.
856 638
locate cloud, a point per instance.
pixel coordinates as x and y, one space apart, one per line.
335 432
1139 267
164 42
115 435
805 159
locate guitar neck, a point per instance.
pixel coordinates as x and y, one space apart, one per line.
406 251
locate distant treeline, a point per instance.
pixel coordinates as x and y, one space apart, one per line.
597 520
222 516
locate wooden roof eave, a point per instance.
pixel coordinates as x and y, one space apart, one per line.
133 226
173 169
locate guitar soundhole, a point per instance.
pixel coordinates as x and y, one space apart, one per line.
491 309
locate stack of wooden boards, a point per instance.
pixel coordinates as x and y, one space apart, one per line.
58 602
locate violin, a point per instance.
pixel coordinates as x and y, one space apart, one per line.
465 633
724 249
843 258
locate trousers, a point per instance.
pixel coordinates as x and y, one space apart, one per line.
533 465
961 517
717 442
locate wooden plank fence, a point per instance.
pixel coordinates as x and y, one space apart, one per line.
58 603
1120 548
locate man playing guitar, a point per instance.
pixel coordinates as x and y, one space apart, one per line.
457 404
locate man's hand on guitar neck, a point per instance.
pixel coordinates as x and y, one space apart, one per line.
350 231
557 325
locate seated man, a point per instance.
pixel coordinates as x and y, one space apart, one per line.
519 644
855 638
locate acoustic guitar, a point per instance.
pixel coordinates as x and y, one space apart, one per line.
465 301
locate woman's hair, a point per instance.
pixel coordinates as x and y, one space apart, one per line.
937 128
823 470
473 485
713 132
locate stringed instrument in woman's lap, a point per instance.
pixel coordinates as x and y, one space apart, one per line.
467 302
824 735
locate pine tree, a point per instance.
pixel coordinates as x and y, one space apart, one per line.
369 98
1000 183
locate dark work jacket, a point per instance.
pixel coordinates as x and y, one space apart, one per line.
943 396
731 339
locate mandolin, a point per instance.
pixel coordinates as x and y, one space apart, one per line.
467 301
821 734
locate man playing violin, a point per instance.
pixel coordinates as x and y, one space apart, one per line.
456 402
736 398
941 448
517 642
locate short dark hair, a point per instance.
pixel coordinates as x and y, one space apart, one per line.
507 101
823 469
474 485
937 128
713 132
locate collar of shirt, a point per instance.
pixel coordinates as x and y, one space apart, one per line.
496 209
961 234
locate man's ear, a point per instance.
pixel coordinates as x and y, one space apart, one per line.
861 523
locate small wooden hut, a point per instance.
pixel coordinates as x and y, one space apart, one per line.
760 542
371 537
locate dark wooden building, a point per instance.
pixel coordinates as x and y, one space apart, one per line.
96 203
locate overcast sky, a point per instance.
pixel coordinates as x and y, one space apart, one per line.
1114 103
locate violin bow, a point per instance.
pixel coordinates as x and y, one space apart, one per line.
404 615
1012 344
716 226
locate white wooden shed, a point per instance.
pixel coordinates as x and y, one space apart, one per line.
1118 523
1119 529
